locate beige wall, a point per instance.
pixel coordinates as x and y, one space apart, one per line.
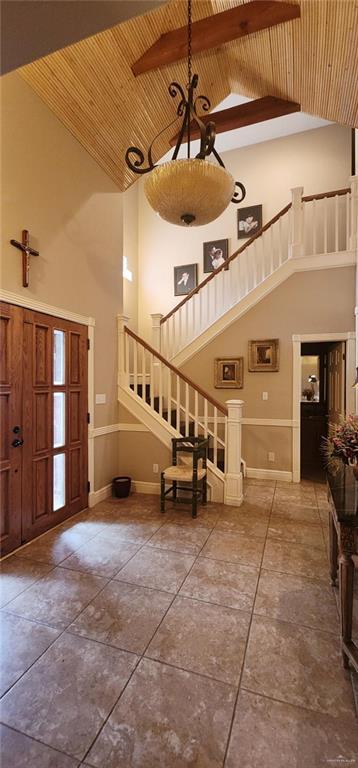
73 211
138 451
308 302
130 250
318 160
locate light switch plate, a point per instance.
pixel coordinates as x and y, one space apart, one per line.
265 395
100 399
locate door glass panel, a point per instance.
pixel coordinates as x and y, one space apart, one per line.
310 378
59 420
58 357
59 481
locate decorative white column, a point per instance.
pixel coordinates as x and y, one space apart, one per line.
296 245
233 493
156 318
123 375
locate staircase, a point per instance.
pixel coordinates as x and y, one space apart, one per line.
171 405
312 232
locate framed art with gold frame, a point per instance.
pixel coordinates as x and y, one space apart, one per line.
264 355
229 372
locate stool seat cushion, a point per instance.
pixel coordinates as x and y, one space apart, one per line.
183 473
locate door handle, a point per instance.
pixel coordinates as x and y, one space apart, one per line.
16 443
16 430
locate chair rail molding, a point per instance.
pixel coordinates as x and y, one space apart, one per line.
297 339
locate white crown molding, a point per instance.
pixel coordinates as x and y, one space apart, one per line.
28 302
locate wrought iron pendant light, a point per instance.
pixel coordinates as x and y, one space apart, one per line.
189 192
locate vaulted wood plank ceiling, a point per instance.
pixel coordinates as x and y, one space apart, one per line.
91 88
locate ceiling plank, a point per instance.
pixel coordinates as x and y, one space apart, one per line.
256 111
215 30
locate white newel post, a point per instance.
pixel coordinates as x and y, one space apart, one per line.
233 493
123 375
296 244
156 328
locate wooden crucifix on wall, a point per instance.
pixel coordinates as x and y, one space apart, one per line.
24 246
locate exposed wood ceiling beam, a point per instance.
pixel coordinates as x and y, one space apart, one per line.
216 30
256 111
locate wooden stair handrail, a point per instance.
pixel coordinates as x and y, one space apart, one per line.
220 407
226 262
335 193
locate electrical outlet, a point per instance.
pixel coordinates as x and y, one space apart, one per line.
271 456
265 395
155 469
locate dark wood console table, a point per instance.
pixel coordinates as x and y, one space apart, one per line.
343 531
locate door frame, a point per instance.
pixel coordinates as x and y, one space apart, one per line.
297 339
27 302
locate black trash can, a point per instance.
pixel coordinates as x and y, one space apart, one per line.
121 487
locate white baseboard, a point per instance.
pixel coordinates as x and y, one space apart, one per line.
141 486
96 496
269 474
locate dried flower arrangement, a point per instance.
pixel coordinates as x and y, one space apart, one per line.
342 444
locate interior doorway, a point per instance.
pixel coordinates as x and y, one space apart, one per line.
323 401
43 401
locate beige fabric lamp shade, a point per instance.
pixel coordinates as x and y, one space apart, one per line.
187 192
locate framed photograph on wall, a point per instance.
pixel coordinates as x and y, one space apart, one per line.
229 372
249 221
185 279
264 355
214 254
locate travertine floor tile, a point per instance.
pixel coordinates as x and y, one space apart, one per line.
298 600
166 718
227 584
181 515
180 538
65 697
270 734
296 559
298 533
298 665
19 751
123 615
244 523
135 530
295 512
56 545
202 637
158 569
102 555
17 574
291 495
58 598
233 548
21 643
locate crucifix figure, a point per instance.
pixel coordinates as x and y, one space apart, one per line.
24 246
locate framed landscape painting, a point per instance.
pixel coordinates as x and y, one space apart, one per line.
215 253
264 355
249 221
185 279
229 372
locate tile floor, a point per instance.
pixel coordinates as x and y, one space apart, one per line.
132 639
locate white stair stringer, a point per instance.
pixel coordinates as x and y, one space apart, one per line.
254 296
165 432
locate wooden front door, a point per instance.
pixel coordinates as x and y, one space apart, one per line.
49 463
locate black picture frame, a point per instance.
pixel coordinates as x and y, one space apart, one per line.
182 284
215 253
249 221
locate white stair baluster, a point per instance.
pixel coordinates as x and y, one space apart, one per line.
336 223
314 227
178 405
169 388
135 367
186 408
143 375
205 417
196 414
325 202
127 341
151 383
215 430
160 389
